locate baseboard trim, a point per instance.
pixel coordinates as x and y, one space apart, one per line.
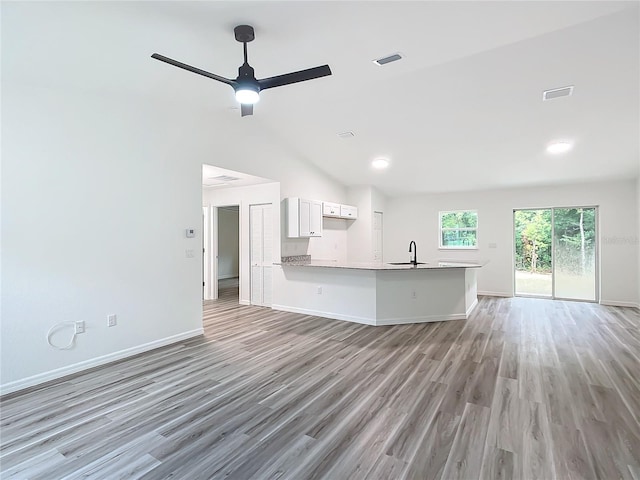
422 319
495 294
318 313
244 302
224 277
472 307
373 321
58 373
615 303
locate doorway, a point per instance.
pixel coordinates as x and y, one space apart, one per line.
228 257
221 252
555 254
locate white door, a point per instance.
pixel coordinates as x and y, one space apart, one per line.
261 235
377 236
212 288
206 274
209 253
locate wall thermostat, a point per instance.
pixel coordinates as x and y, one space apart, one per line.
191 232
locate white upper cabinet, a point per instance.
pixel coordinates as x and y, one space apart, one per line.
347 211
339 211
330 209
304 218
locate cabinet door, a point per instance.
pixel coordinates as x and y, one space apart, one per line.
331 209
305 218
315 220
347 211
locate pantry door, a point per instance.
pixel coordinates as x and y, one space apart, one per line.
261 236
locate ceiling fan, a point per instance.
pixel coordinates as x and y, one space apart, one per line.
246 86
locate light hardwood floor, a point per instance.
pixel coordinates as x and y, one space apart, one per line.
524 389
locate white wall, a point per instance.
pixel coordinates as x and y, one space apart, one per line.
97 191
228 243
416 218
637 239
87 231
360 241
360 232
333 243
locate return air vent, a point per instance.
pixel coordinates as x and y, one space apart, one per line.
346 135
388 59
224 178
557 93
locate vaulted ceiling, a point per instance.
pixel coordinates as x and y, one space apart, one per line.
462 110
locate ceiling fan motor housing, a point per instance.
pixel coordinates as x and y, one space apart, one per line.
244 33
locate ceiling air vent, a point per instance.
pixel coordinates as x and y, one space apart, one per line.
388 59
557 93
346 135
224 178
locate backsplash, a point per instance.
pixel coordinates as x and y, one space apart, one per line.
296 258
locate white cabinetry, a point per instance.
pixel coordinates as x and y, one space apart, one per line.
339 211
347 211
304 217
331 209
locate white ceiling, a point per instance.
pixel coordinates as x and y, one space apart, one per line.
462 110
214 177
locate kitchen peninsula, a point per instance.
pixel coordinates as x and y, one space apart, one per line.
378 293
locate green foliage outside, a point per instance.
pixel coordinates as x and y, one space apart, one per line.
462 219
459 229
574 235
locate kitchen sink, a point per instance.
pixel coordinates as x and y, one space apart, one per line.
407 263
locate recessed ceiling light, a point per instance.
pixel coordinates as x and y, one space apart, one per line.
559 147
380 163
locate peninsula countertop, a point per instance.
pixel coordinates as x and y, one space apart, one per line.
379 265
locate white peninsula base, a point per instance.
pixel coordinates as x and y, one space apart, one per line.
381 295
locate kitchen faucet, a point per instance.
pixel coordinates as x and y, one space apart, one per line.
415 252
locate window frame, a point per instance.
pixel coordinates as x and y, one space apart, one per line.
457 247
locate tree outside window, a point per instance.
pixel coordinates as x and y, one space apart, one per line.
459 229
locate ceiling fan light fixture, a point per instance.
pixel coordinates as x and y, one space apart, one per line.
247 95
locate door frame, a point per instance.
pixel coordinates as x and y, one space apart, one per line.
210 240
553 237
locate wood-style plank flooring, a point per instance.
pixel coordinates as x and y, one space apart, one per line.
526 388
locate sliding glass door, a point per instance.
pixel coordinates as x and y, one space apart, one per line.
574 253
555 253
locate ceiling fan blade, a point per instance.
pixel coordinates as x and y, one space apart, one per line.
246 109
294 77
189 68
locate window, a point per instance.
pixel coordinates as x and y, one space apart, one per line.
459 229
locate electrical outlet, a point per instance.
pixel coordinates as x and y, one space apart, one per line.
319 291
79 328
414 295
112 321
